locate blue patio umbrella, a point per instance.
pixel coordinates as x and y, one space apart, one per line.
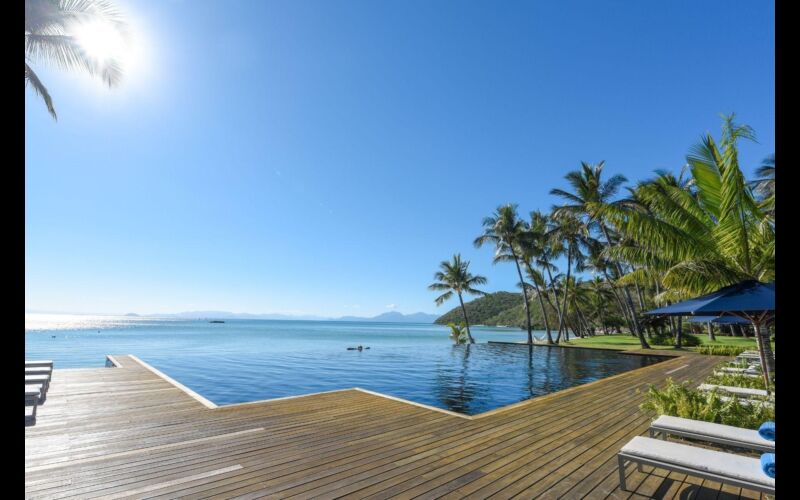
749 300
746 300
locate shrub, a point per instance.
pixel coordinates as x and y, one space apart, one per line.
458 333
736 380
721 350
680 400
667 339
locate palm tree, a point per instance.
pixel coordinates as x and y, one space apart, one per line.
590 193
49 39
504 229
710 236
455 277
567 230
550 250
599 298
533 253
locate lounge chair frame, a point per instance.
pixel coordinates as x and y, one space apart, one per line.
32 398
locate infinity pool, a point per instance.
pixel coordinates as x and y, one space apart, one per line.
253 360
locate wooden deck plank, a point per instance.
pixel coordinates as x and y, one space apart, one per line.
127 432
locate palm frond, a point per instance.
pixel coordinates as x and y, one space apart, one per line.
40 90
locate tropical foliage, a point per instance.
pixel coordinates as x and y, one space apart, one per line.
722 350
736 380
49 39
607 251
458 334
485 309
681 400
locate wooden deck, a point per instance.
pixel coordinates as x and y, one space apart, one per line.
127 432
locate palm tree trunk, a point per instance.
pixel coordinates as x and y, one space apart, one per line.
541 306
628 299
555 295
582 320
622 308
524 296
566 293
679 334
711 332
466 319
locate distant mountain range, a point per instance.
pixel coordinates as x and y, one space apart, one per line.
395 317
389 317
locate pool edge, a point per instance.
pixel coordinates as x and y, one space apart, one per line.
211 405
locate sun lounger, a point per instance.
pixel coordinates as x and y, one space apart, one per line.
39 379
739 391
727 468
728 435
40 362
33 394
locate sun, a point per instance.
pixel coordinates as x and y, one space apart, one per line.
102 42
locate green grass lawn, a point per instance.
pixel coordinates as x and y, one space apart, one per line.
626 342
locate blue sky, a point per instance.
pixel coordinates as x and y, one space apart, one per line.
322 157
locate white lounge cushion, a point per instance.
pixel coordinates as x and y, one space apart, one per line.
743 391
33 389
39 362
700 459
712 430
38 369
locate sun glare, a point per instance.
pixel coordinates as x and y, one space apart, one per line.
102 42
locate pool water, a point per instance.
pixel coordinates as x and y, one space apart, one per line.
250 360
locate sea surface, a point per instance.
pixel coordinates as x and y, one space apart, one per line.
250 360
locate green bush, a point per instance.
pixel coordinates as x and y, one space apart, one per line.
737 380
667 339
458 333
721 350
680 400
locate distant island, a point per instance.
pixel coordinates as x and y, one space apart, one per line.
494 309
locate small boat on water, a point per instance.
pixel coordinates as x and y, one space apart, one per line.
216 321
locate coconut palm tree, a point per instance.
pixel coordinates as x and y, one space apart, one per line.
533 254
454 276
599 299
704 238
551 250
504 229
49 39
573 235
589 193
